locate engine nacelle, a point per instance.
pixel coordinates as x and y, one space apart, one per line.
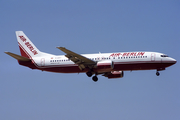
116 74
107 64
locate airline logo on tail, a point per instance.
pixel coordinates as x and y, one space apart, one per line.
28 45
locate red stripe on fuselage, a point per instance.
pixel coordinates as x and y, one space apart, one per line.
117 67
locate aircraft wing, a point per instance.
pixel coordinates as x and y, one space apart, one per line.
18 57
78 59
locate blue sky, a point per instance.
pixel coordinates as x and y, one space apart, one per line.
90 27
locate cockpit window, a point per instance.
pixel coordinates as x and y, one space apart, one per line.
164 56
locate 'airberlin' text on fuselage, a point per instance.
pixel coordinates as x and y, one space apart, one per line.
28 45
127 54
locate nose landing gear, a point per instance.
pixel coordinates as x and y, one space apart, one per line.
159 69
157 73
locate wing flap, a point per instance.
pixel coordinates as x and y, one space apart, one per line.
18 57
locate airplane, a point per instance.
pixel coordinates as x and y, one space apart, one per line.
110 65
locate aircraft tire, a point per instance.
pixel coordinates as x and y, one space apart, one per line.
89 74
95 78
157 73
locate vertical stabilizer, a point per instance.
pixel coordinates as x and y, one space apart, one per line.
27 48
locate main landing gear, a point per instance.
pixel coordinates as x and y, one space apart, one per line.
94 78
89 74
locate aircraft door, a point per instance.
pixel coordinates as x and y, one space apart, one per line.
153 55
43 62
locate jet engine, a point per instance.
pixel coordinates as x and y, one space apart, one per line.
115 74
107 64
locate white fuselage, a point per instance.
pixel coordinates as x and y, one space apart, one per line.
110 65
146 59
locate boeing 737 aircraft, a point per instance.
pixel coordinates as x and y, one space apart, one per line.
110 65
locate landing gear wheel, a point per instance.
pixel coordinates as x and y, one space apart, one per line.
89 74
95 78
157 73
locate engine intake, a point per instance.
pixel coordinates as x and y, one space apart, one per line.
115 74
107 64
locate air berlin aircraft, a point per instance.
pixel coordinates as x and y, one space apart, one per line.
110 65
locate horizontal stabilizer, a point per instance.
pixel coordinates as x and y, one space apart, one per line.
18 57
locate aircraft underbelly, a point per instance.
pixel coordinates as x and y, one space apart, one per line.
140 66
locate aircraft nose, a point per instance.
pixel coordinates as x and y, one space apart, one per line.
173 60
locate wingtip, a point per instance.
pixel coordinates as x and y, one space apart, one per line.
6 52
60 47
